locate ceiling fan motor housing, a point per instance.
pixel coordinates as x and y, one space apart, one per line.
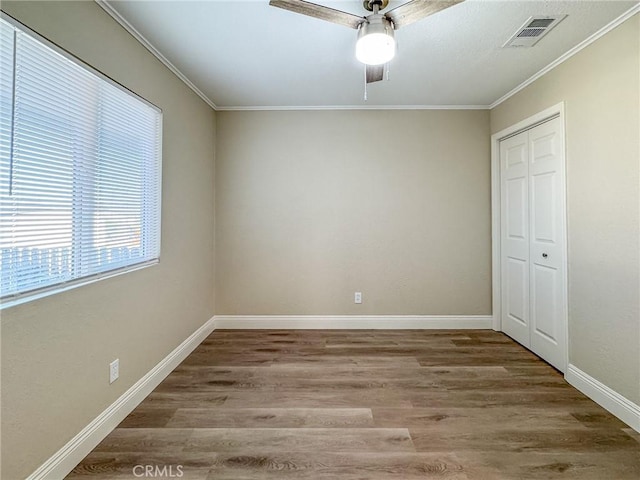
377 23
368 4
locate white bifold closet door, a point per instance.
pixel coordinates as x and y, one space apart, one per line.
533 264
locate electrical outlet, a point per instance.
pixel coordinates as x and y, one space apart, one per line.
357 298
114 370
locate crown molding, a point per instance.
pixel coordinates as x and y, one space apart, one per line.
566 56
104 4
353 107
107 7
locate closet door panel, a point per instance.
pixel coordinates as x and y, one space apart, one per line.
514 160
546 251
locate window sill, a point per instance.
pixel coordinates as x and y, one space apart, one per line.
63 287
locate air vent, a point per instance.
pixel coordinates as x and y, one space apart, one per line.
533 30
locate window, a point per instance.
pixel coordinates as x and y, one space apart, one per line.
79 171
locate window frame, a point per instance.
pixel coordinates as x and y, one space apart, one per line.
28 296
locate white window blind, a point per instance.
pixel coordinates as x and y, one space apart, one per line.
80 171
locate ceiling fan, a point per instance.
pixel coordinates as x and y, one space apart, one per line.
376 44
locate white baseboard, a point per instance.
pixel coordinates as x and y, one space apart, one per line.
356 322
65 459
621 407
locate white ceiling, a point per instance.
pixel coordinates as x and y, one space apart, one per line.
248 54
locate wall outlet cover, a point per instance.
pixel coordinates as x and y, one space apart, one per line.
114 370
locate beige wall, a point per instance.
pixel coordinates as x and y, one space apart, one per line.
313 206
55 351
600 87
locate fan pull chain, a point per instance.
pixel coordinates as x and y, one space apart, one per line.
386 70
365 83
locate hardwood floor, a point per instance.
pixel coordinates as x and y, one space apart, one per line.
454 404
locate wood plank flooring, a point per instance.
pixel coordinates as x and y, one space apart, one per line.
435 404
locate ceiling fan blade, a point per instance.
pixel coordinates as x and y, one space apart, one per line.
375 73
416 10
319 11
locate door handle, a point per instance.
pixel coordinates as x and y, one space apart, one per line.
544 255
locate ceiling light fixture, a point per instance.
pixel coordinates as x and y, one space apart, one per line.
376 44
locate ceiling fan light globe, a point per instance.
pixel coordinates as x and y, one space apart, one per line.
375 48
376 44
